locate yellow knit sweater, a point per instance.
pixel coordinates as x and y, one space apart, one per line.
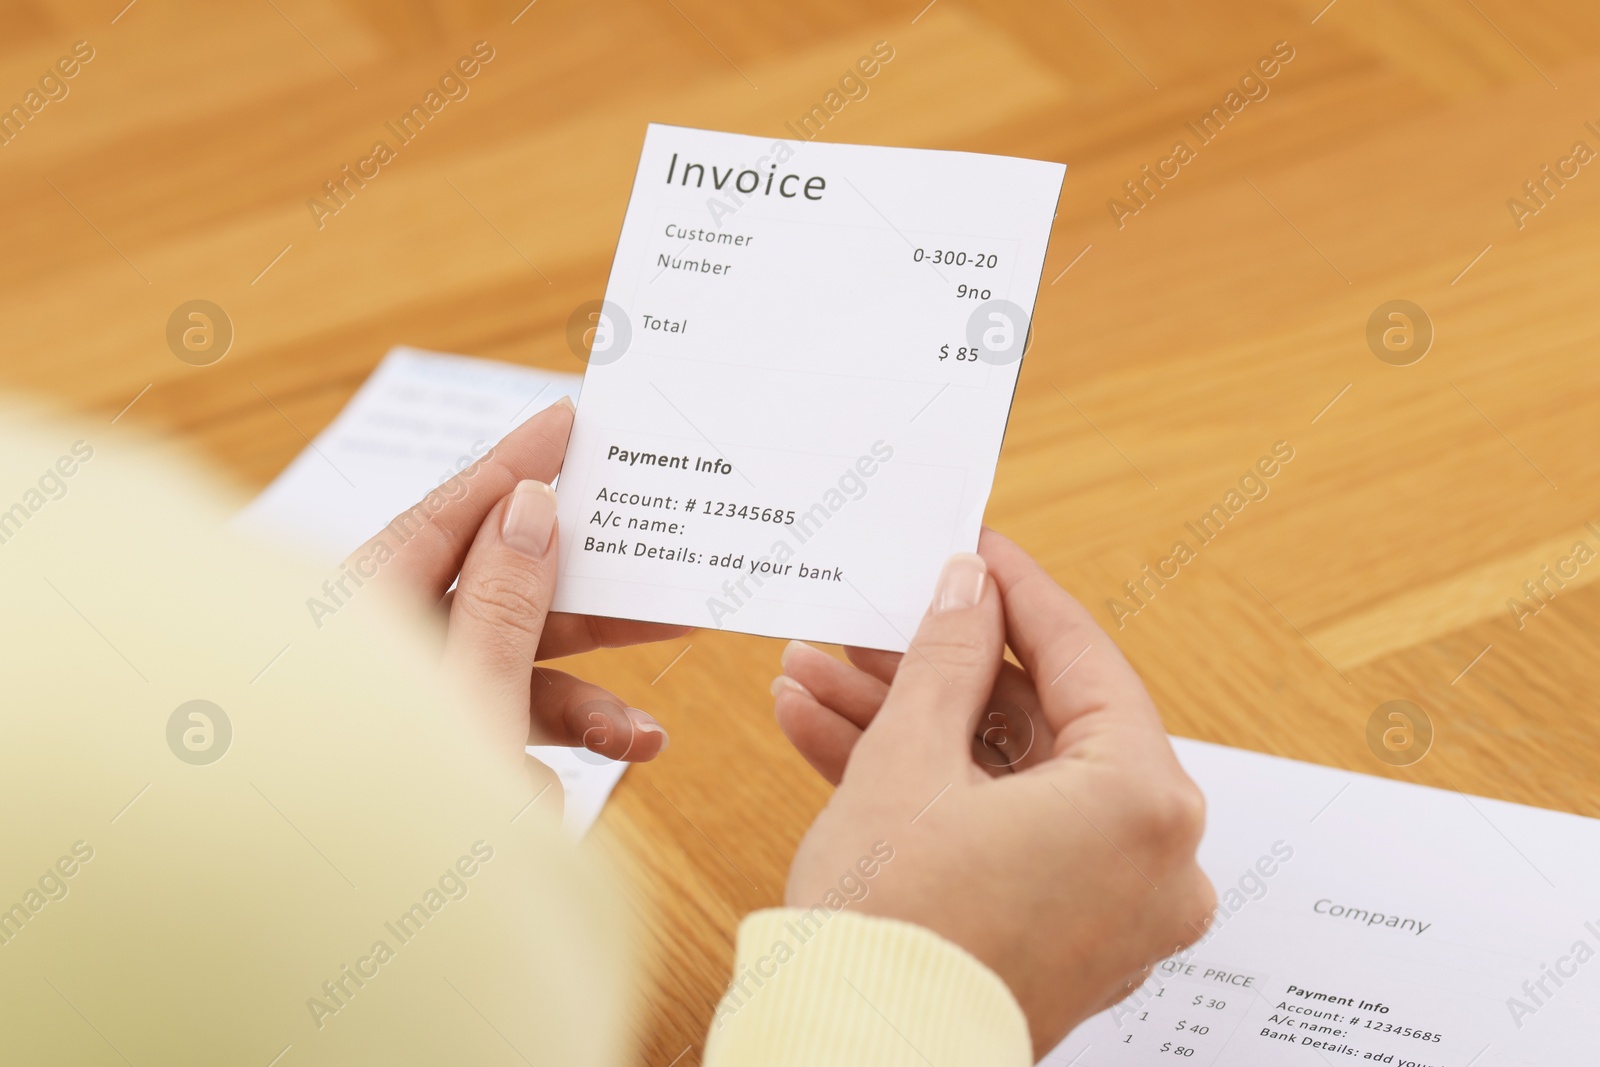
237 832
861 990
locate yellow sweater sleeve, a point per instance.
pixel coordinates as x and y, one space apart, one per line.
820 987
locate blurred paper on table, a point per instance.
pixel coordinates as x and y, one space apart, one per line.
1365 920
417 420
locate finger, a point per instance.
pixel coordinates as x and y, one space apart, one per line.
422 550
1013 725
875 661
1011 734
497 615
837 686
568 635
1005 739
1076 667
819 734
927 720
571 712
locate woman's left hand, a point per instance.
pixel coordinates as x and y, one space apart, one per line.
491 530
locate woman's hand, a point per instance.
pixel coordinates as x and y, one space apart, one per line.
491 530
1038 816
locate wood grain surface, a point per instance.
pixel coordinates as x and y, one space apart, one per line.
1178 338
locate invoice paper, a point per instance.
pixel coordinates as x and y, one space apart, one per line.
419 419
798 382
1367 921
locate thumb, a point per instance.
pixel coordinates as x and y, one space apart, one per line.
499 609
943 682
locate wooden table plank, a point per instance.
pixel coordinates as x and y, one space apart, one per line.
1171 351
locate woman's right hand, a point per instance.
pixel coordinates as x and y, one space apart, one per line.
1038 816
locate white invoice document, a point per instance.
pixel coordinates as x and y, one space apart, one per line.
798 382
1368 921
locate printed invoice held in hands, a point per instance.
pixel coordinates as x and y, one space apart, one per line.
798 382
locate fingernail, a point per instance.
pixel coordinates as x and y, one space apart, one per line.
530 517
644 723
785 684
961 582
564 402
790 649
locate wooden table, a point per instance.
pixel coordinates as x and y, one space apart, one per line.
1178 337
